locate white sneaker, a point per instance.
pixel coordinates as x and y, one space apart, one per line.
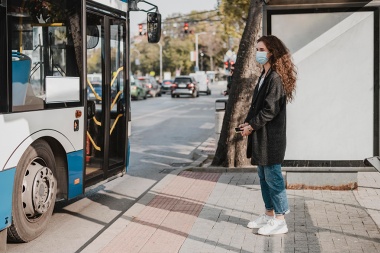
259 222
274 227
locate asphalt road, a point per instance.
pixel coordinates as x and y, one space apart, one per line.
165 132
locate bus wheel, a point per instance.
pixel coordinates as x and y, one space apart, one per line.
35 189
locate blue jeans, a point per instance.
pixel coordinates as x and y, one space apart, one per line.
273 188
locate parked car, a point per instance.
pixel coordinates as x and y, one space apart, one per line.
151 85
185 85
166 86
201 78
137 90
97 88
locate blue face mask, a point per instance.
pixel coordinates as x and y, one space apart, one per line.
261 57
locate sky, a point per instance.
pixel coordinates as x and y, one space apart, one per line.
168 7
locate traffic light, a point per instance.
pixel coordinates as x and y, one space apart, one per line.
141 29
186 27
226 64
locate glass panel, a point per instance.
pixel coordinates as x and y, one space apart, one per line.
117 123
182 80
334 99
42 45
95 134
313 26
97 36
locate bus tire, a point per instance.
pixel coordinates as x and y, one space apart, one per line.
34 189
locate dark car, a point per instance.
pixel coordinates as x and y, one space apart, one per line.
185 85
166 86
151 85
97 88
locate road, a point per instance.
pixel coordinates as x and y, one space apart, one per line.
165 132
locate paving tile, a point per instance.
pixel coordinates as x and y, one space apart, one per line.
208 212
168 218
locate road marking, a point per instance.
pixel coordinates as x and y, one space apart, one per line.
207 126
156 112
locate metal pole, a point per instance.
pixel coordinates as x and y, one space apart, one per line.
160 61
201 61
137 58
196 50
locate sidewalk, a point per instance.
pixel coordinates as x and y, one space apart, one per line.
200 211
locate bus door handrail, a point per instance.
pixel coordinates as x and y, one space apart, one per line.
112 105
93 90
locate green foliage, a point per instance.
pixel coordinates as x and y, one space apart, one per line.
177 45
177 55
93 63
234 16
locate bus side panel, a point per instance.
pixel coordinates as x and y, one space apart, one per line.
13 160
6 189
75 164
19 130
128 156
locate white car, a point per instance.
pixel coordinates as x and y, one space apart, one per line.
202 80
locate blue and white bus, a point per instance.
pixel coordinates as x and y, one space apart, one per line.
58 134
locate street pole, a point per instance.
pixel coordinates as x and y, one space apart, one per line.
201 61
196 50
160 61
138 56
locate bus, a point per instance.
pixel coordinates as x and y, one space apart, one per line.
56 141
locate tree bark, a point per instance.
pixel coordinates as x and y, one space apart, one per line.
231 149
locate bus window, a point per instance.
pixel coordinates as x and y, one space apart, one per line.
43 45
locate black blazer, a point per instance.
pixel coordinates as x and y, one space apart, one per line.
267 116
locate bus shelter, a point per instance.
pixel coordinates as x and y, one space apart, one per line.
334 119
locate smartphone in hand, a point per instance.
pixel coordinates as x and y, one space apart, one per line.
238 130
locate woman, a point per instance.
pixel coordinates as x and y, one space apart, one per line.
265 126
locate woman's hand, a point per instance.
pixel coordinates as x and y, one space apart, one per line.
247 130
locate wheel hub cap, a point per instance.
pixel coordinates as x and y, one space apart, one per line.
38 190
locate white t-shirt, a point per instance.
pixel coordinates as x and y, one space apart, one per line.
261 81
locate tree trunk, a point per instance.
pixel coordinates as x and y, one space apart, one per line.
231 150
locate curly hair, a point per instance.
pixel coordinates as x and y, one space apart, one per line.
281 62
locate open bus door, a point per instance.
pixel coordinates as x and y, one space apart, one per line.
107 125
